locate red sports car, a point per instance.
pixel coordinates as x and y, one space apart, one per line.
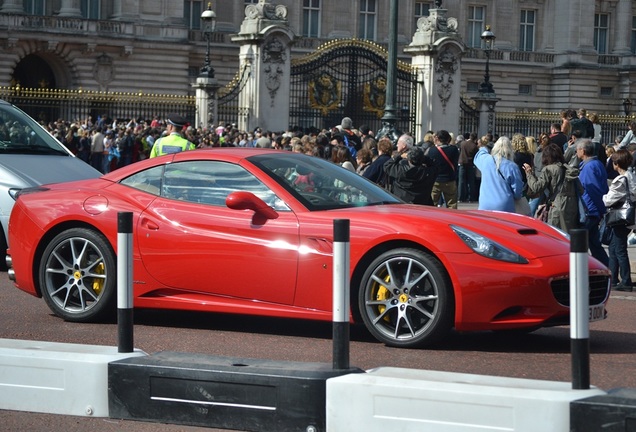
250 231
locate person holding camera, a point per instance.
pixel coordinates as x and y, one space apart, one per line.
411 173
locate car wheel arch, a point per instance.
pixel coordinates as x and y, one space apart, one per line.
48 237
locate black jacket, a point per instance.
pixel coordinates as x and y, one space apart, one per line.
411 183
375 172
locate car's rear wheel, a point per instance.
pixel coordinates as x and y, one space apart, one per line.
406 299
77 276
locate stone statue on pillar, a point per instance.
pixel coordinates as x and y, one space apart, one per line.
437 49
265 38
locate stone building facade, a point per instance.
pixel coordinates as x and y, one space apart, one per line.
548 55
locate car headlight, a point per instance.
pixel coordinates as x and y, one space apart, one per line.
486 247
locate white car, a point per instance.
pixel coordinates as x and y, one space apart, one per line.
30 156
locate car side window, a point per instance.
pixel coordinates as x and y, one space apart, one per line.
210 182
148 180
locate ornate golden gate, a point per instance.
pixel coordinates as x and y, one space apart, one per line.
347 78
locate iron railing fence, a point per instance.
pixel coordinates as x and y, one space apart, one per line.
535 123
46 105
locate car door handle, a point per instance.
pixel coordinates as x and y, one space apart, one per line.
148 224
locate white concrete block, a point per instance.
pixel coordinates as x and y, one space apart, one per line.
410 400
56 378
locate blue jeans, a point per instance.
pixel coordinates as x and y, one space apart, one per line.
618 256
467 190
594 239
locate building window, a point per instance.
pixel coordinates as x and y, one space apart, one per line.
476 26
251 1
526 34
91 9
35 7
368 15
601 28
607 91
421 10
633 35
472 86
311 18
192 10
525 89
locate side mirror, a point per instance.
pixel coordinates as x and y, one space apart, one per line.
248 201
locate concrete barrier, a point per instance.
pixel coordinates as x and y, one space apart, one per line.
56 378
410 400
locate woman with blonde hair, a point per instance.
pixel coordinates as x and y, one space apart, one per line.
532 144
501 182
522 156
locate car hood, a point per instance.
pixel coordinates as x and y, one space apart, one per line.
21 171
432 226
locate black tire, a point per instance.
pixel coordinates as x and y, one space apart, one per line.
78 276
3 250
406 299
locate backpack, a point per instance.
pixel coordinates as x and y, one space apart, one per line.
351 146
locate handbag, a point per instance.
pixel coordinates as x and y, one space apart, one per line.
625 215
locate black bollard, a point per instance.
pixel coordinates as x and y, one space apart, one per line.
124 282
341 294
579 309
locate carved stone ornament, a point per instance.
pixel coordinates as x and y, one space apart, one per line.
274 51
273 77
274 55
445 68
103 71
265 10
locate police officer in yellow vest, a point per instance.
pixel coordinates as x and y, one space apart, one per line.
173 142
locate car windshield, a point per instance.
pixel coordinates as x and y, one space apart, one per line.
19 134
320 184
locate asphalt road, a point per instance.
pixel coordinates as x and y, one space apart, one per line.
544 354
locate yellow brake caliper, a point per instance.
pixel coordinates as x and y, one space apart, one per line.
383 293
98 283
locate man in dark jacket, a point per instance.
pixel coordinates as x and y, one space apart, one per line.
446 158
412 176
467 183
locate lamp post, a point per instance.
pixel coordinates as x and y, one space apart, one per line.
488 37
390 110
208 24
627 106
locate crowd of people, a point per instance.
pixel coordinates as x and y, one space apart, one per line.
568 176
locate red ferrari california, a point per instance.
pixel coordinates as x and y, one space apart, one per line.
250 231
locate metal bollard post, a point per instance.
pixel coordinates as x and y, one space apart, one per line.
341 294
579 310
124 282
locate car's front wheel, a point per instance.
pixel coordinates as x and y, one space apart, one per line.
77 276
406 298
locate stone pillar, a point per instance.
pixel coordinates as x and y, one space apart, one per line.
265 38
437 50
70 9
12 6
487 116
623 28
206 93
